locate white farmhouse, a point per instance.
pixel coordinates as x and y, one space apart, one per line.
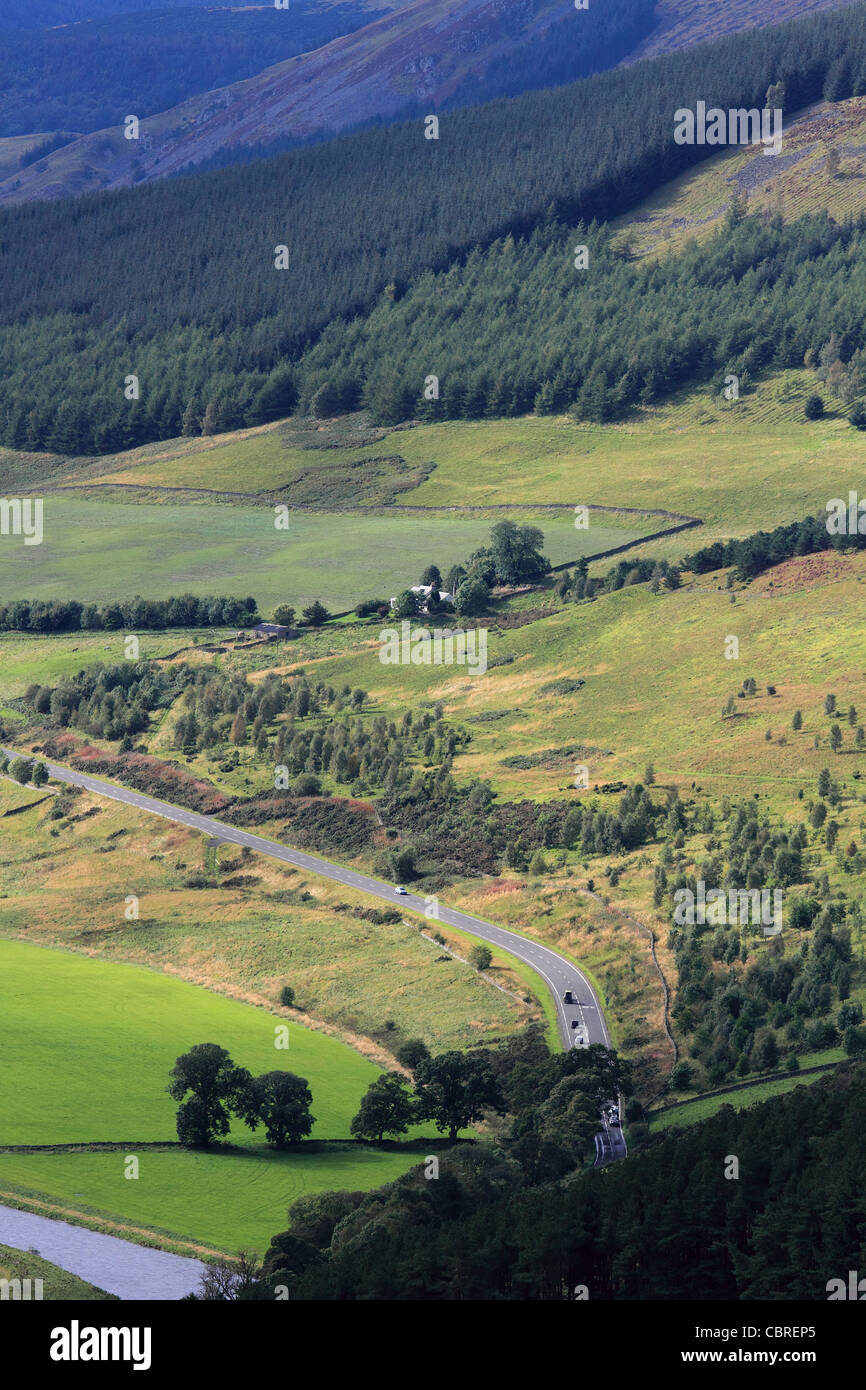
423 592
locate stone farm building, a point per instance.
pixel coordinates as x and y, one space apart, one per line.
267 632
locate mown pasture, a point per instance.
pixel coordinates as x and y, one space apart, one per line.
88 1045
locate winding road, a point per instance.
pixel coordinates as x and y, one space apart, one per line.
583 1018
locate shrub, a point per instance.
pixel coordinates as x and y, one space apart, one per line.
471 598
821 1035
411 1052
315 615
197 880
681 1077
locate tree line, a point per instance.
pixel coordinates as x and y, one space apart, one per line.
24 770
757 294
453 1090
572 587
562 53
71 615
764 549
109 701
657 1227
212 1089
175 283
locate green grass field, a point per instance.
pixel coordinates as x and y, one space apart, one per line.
679 456
738 465
25 658
656 678
88 1045
65 889
99 550
702 1109
230 1201
87 1048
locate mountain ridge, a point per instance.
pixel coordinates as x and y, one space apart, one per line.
429 53
419 52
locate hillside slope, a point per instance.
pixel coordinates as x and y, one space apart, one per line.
422 57
681 23
822 169
425 56
46 14
419 57
177 283
84 77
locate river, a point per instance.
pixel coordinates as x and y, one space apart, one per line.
117 1266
